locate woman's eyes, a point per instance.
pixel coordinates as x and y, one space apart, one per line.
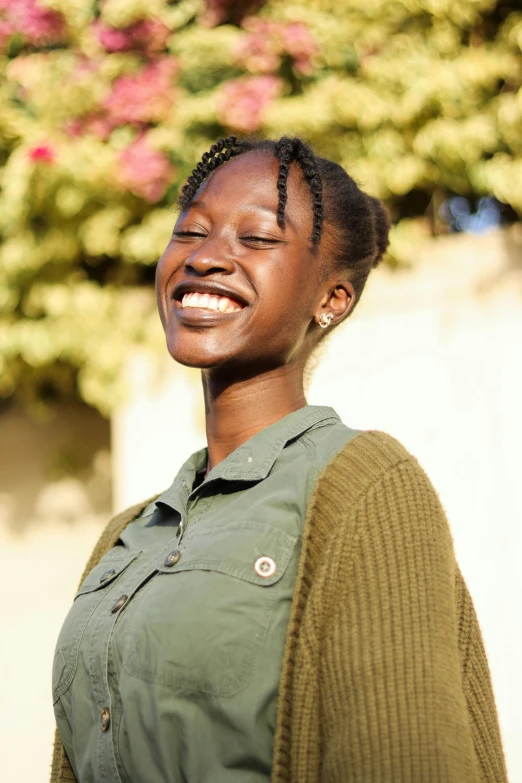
249 238
265 240
188 234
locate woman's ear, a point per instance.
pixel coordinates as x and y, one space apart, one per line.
337 302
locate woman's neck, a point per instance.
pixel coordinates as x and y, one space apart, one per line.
235 410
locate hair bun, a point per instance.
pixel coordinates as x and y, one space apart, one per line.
381 226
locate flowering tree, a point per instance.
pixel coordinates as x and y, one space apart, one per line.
105 107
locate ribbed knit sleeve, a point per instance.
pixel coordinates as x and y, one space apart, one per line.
478 690
378 693
391 685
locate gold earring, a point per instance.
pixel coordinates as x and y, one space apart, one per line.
325 319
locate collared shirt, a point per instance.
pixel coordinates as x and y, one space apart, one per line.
168 663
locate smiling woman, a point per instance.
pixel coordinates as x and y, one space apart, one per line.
290 608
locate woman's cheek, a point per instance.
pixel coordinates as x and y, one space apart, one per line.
164 270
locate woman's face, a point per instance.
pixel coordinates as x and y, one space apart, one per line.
234 289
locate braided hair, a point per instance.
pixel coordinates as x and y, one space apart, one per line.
358 224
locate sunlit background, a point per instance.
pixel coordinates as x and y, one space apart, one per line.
104 109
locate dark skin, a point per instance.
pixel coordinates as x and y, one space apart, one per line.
228 243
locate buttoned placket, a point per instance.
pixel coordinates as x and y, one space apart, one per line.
99 665
191 507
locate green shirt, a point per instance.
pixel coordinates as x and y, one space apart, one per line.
168 664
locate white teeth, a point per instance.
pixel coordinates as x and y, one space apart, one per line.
210 302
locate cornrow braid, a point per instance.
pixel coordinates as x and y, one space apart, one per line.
284 151
288 150
210 160
308 163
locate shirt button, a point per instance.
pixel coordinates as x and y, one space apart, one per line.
119 603
265 567
105 719
172 558
107 575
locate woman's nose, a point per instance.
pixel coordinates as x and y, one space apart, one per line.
210 258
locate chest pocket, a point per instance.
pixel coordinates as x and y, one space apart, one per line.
92 591
200 623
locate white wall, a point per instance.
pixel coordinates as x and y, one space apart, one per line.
156 430
49 522
432 357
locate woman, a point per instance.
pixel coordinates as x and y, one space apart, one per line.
290 609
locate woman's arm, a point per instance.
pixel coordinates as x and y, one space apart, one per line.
478 689
392 701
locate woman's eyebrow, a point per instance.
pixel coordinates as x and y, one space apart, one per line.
198 204
269 210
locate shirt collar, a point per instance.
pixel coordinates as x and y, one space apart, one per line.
253 460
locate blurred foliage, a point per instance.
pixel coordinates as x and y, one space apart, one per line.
106 106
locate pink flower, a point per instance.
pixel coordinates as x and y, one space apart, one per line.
74 127
145 171
112 39
143 97
300 45
148 35
260 51
43 153
96 124
266 42
243 101
96 121
100 127
38 25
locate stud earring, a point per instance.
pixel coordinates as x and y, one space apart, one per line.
325 319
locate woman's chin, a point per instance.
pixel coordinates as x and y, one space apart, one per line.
201 358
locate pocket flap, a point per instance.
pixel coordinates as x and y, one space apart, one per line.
108 570
257 553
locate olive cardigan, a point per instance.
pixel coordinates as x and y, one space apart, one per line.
384 678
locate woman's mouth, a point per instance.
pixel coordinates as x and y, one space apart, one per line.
222 304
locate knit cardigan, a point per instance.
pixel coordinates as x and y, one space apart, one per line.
384 676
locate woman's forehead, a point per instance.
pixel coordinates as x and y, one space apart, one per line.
249 173
251 178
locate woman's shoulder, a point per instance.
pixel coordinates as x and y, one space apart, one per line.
374 495
374 461
370 454
377 449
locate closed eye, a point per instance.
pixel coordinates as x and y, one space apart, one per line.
188 234
253 239
265 240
